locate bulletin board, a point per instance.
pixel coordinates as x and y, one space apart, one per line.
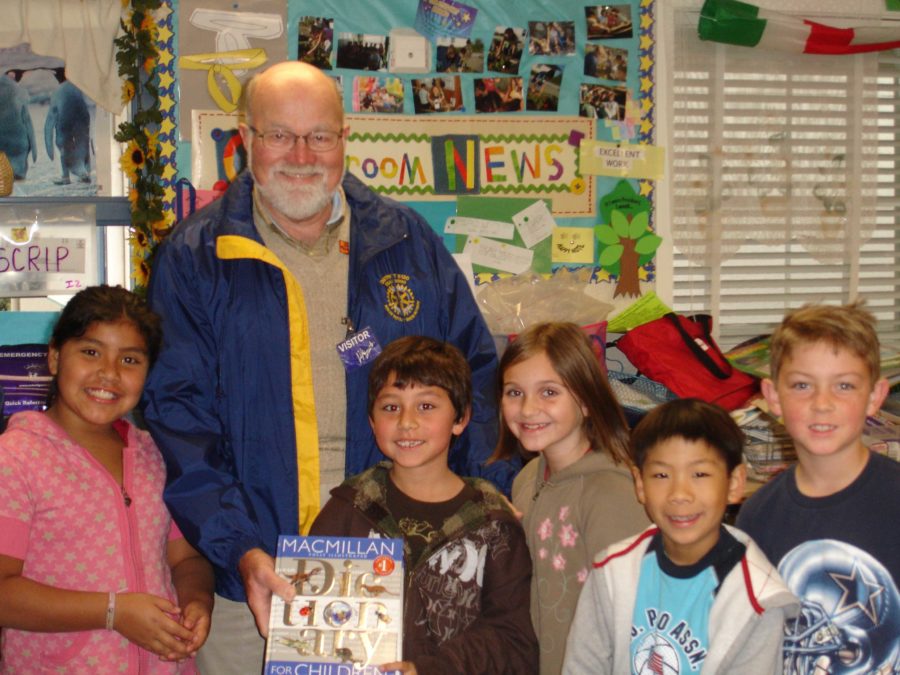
523 132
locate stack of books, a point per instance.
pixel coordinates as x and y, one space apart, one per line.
768 448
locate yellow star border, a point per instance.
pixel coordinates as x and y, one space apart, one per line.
646 97
165 67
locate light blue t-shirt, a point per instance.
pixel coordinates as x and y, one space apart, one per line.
670 624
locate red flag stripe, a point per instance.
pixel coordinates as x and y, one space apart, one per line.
830 40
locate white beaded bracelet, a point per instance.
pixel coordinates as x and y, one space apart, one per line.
111 611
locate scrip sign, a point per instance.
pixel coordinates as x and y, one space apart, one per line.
46 252
47 256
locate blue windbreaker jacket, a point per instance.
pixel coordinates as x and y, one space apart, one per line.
230 402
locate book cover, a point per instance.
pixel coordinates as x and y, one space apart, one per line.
751 356
347 616
24 378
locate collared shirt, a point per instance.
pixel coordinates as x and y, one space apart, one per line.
323 244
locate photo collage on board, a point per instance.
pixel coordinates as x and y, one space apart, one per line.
605 62
514 68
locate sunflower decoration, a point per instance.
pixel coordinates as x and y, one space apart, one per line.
153 144
140 270
127 93
136 56
140 243
133 161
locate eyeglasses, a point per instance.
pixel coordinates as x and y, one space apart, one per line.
283 141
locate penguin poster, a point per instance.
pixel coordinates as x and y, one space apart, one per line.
49 129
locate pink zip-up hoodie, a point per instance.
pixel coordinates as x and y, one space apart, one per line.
74 527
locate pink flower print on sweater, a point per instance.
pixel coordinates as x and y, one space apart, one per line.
568 536
545 529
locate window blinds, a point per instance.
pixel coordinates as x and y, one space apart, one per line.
784 182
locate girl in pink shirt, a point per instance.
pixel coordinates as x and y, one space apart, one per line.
94 575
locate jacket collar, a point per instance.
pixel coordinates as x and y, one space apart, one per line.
237 209
374 225
368 494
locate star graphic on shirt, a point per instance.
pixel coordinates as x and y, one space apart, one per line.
860 591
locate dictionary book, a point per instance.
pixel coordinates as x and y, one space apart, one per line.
347 615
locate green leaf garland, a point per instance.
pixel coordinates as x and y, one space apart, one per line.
136 56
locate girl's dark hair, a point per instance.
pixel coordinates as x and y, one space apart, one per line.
692 420
569 351
424 361
107 304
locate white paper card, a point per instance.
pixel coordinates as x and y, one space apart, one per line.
479 226
499 256
410 52
464 262
534 223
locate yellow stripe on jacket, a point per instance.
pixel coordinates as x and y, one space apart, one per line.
306 431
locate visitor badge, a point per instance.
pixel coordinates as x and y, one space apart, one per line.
358 349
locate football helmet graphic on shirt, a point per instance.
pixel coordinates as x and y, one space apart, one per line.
849 622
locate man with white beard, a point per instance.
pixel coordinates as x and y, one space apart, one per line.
275 299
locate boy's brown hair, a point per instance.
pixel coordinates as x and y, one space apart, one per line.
569 351
849 327
424 361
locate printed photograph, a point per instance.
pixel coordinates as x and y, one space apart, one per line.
437 94
378 94
605 62
543 87
605 103
608 21
359 51
460 55
498 94
506 50
315 40
50 131
551 38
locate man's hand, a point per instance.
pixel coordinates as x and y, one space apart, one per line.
257 569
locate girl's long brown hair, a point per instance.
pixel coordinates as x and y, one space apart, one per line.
569 351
